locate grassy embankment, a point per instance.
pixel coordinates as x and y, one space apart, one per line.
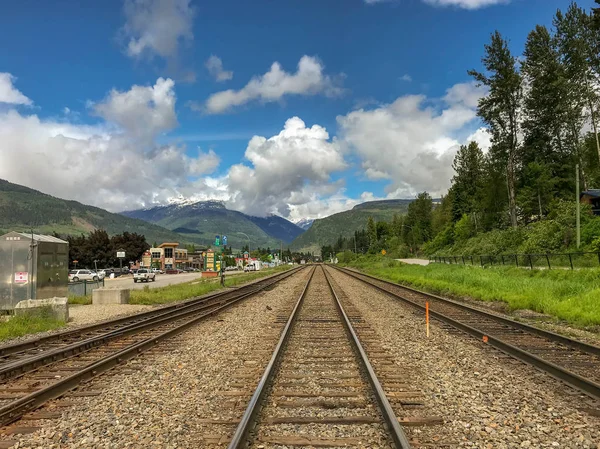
23 325
180 292
572 296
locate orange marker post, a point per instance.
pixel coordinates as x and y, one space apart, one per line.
427 317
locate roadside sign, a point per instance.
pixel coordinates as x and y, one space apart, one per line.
121 254
217 240
21 277
383 252
224 240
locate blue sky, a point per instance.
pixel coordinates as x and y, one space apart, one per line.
118 107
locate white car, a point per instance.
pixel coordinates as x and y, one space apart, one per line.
144 275
157 271
83 275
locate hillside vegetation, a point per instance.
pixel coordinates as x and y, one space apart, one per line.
23 209
326 230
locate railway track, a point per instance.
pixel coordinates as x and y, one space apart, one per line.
36 371
319 388
571 361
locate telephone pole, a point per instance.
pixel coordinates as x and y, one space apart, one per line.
578 205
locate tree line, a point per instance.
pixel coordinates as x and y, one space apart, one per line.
99 249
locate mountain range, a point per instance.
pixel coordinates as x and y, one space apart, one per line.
205 219
25 209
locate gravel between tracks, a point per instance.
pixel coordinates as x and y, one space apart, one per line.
157 405
80 315
488 401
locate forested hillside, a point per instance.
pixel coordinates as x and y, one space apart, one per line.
541 110
326 230
23 209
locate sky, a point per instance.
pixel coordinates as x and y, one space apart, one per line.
300 108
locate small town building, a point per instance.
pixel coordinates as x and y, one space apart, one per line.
169 256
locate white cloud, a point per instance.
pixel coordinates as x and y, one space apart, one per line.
410 143
156 27
309 79
406 77
215 68
288 170
113 168
9 94
143 111
483 138
466 4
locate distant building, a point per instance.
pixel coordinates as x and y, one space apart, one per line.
168 256
591 197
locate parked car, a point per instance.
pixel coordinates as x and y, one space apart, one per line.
82 275
157 271
142 275
101 275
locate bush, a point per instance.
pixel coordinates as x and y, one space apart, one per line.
590 231
345 257
543 237
464 229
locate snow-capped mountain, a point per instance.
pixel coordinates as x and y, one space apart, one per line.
304 223
204 219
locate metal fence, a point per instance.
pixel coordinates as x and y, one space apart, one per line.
546 261
84 288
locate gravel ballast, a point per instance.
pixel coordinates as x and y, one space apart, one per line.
487 399
167 397
81 315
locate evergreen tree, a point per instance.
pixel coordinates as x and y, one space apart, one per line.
418 229
468 182
500 109
576 42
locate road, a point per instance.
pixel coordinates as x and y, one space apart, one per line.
415 261
162 280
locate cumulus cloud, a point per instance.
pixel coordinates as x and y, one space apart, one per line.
410 142
142 112
9 94
406 77
114 164
215 68
272 86
156 27
466 4
287 171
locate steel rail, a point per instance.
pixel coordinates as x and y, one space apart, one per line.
394 428
575 344
247 422
13 411
36 342
21 366
587 386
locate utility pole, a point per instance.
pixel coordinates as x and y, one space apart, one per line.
578 205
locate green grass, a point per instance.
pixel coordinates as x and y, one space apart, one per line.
22 325
572 296
180 292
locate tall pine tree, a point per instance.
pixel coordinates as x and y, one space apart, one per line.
500 110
